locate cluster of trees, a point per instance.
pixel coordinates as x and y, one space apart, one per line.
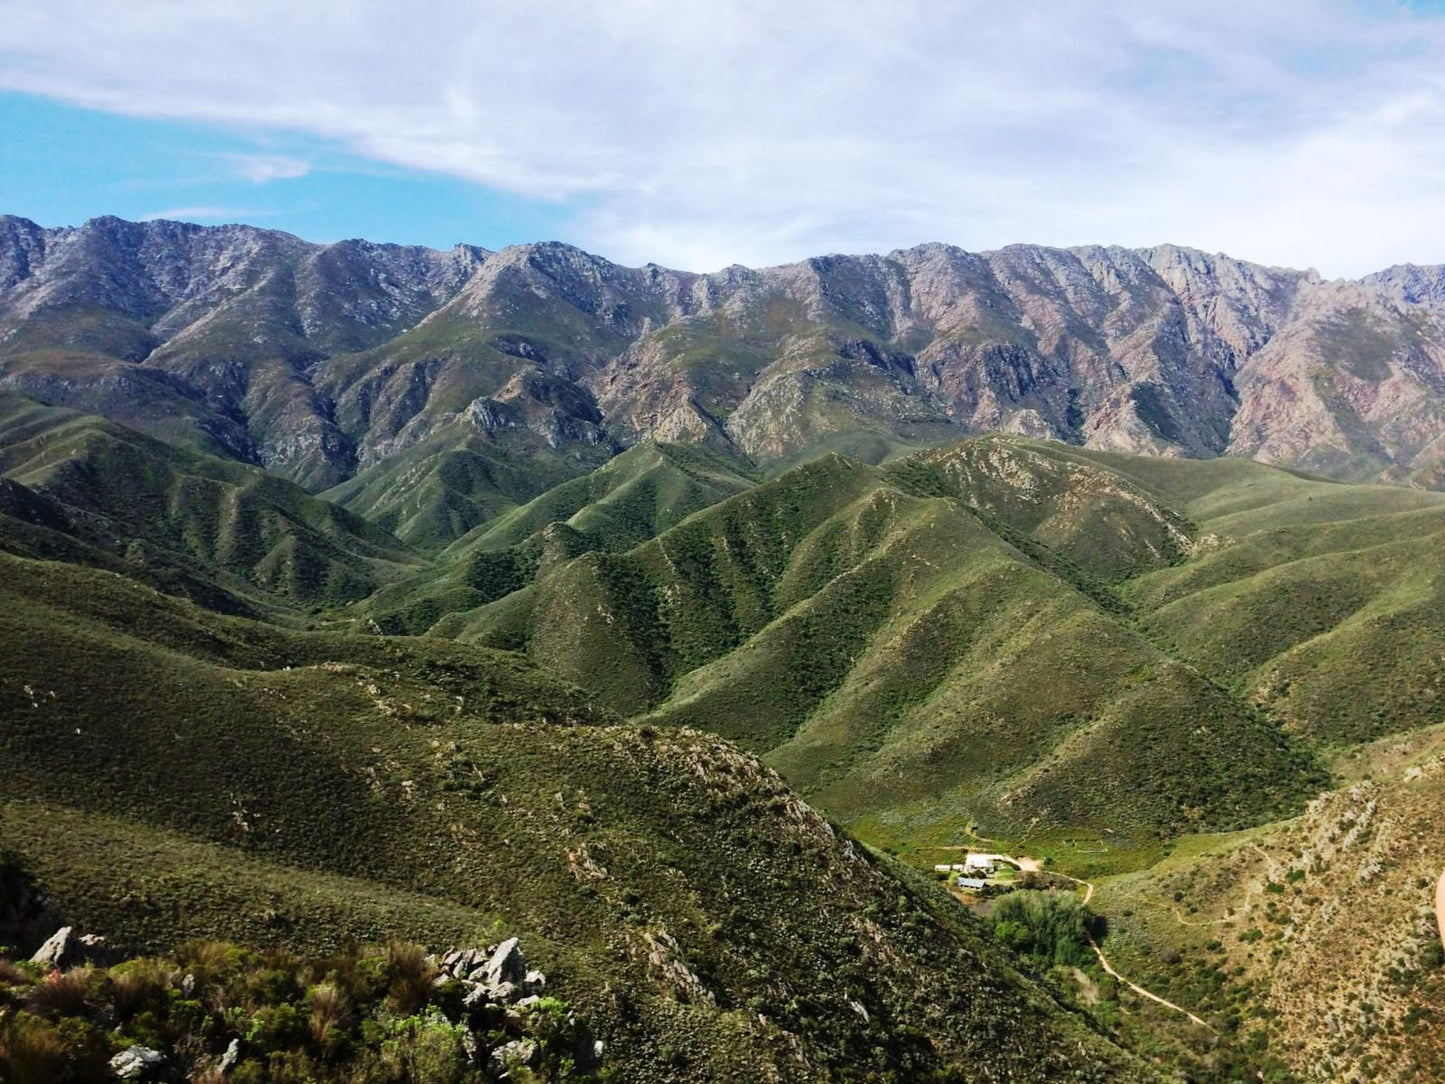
1053 927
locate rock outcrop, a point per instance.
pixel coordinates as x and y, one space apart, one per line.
138 1063
66 949
416 368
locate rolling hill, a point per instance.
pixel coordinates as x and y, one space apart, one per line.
173 774
669 622
890 638
227 534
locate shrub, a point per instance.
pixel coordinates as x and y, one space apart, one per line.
140 986
1051 926
425 1049
330 1011
31 1050
210 961
411 977
61 993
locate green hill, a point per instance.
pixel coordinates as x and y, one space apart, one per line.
172 774
227 534
892 639
635 496
1320 601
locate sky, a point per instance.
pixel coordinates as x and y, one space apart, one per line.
1307 133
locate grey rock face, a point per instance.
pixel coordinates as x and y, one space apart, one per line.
491 978
138 1063
507 964
230 1058
517 1052
65 948
323 361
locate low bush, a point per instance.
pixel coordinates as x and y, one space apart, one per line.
1054 927
360 1016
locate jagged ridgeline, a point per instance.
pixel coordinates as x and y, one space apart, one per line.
359 591
173 774
432 391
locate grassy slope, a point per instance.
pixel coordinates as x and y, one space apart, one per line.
634 497
435 491
169 776
186 519
1319 601
892 640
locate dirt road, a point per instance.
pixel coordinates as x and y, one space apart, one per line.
1033 864
1104 961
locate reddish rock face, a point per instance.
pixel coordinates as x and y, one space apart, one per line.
319 362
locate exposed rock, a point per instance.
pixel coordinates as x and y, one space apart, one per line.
493 977
66 949
230 1058
138 1063
373 350
517 1052
507 964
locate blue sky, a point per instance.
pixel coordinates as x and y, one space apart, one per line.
61 164
1306 133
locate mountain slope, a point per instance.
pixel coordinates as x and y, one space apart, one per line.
890 638
1316 939
439 389
710 925
1320 601
634 497
228 534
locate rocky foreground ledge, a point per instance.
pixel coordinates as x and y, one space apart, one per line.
215 1012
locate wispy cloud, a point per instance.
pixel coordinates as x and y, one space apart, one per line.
208 214
1309 132
262 168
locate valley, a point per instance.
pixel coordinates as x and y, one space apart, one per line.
684 626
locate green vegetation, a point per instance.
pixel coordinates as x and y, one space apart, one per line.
1053 927
173 774
231 536
380 1016
891 640
1093 653
634 497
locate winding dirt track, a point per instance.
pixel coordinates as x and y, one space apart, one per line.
1104 962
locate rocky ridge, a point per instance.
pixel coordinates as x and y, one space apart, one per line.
482 1006
471 381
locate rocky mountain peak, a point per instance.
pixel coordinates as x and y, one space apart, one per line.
325 358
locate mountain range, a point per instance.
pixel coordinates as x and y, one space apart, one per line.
682 625
430 391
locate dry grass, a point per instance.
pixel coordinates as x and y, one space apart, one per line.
31 1052
62 993
411 977
140 985
330 1010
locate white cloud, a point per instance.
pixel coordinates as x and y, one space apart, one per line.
1309 132
261 168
